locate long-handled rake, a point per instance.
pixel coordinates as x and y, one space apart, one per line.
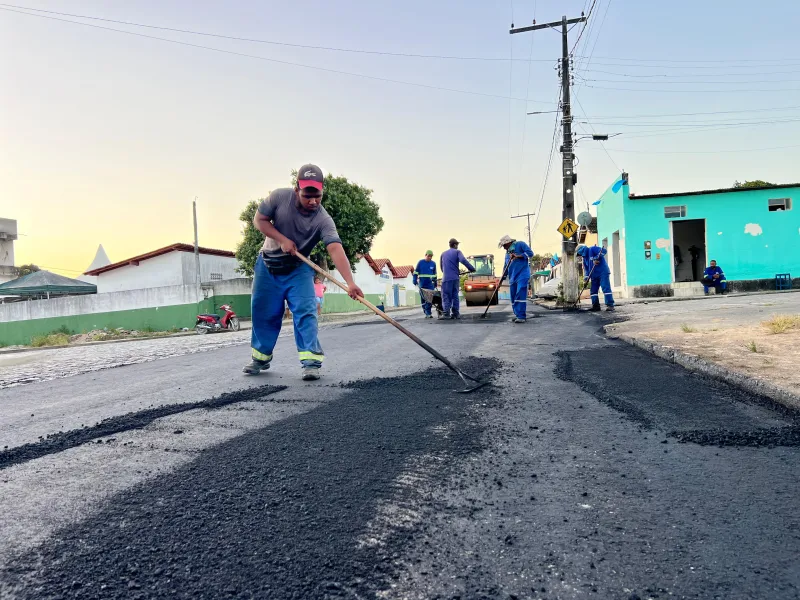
468 381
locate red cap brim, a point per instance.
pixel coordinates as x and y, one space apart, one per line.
304 183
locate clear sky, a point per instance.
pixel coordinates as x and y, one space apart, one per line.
107 137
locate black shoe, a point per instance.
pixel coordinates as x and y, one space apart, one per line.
255 367
595 308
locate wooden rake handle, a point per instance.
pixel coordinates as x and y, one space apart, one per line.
386 318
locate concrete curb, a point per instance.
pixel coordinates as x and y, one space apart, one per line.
700 365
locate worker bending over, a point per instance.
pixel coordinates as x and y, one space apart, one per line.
293 221
449 261
595 268
714 277
425 278
518 269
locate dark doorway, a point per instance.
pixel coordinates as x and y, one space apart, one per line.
689 249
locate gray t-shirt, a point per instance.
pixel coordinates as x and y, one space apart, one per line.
305 230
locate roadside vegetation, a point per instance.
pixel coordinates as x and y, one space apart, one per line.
782 323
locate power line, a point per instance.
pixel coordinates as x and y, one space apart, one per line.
654 83
714 112
271 42
692 91
667 76
275 60
597 37
585 25
702 151
525 123
602 145
650 66
553 145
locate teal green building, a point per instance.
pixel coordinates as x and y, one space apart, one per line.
659 244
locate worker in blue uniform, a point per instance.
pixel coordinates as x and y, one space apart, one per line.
595 268
449 262
518 271
425 279
714 277
293 221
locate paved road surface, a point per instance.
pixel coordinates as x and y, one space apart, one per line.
589 470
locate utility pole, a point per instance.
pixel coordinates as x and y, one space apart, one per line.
196 245
528 215
570 276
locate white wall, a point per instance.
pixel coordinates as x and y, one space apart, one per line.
364 277
160 271
174 268
99 303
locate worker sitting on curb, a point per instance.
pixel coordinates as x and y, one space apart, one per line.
518 266
714 277
595 268
293 221
451 279
425 278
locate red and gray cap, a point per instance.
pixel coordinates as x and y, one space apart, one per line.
309 176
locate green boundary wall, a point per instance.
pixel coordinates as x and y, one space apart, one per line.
158 318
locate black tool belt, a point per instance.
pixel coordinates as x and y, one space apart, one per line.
280 265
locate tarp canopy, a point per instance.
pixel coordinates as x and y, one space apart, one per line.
541 273
45 283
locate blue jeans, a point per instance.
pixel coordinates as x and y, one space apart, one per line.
270 292
519 297
450 296
426 306
604 282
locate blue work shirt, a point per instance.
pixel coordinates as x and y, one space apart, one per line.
520 269
711 271
425 274
449 261
595 253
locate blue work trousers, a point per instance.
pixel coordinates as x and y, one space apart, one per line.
270 294
450 297
426 306
519 297
715 283
602 282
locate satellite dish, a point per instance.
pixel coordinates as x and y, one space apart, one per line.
584 219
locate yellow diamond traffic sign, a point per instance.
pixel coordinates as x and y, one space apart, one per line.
568 228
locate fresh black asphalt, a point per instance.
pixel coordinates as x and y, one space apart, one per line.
588 470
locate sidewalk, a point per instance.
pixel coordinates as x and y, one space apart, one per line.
728 337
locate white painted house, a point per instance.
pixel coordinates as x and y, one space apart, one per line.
380 276
8 233
171 265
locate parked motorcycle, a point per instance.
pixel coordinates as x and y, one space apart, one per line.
211 323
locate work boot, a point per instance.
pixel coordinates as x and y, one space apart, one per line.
310 373
610 309
428 316
518 320
595 308
255 367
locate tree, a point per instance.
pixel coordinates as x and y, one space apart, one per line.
252 240
753 184
349 204
27 270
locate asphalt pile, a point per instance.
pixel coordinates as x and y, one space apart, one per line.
275 513
688 407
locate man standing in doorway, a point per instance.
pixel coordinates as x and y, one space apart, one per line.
293 221
518 265
449 261
714 277
596 268
425 278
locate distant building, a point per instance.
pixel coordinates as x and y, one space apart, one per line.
659 244
171 265
100 260
8 235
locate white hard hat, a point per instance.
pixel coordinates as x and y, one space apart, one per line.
506 239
